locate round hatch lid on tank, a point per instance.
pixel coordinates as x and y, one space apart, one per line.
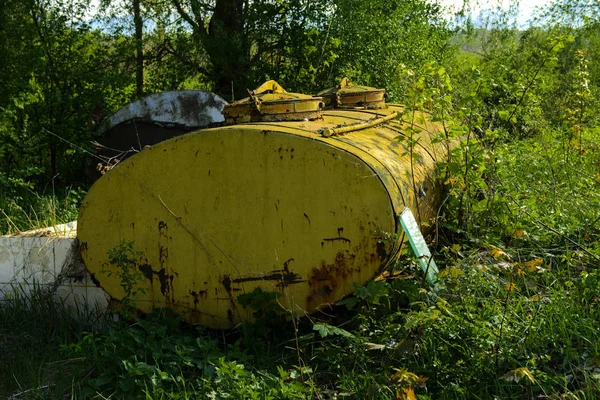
271 103
349 96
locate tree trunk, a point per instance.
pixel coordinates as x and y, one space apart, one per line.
224 40
228 48
139 49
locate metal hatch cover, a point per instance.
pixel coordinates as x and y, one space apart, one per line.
271 103
350 96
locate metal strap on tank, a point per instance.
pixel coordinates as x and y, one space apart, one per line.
327 132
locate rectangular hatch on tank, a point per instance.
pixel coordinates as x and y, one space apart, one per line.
346 95
271 103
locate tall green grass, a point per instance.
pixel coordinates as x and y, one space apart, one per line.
34 326
22 210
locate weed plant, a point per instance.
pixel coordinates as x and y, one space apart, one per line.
34 325
22 209
160 357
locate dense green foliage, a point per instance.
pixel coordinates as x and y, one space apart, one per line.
516 312
65 65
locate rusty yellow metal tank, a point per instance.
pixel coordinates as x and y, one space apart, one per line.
296 207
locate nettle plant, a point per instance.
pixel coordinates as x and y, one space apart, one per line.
430 94
124 261
577 99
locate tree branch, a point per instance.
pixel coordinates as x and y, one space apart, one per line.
195 25
169 49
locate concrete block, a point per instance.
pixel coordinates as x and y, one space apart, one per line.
51 263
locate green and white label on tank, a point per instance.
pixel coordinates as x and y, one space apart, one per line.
418 245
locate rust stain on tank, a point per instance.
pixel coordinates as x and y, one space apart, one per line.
197 295
307 218
161 274
83 248
381 251
284 276
227 283
324 279
163 254
340 239
321 292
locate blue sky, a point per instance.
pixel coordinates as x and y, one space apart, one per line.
526 7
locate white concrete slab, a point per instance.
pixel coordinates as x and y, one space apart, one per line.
48 263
